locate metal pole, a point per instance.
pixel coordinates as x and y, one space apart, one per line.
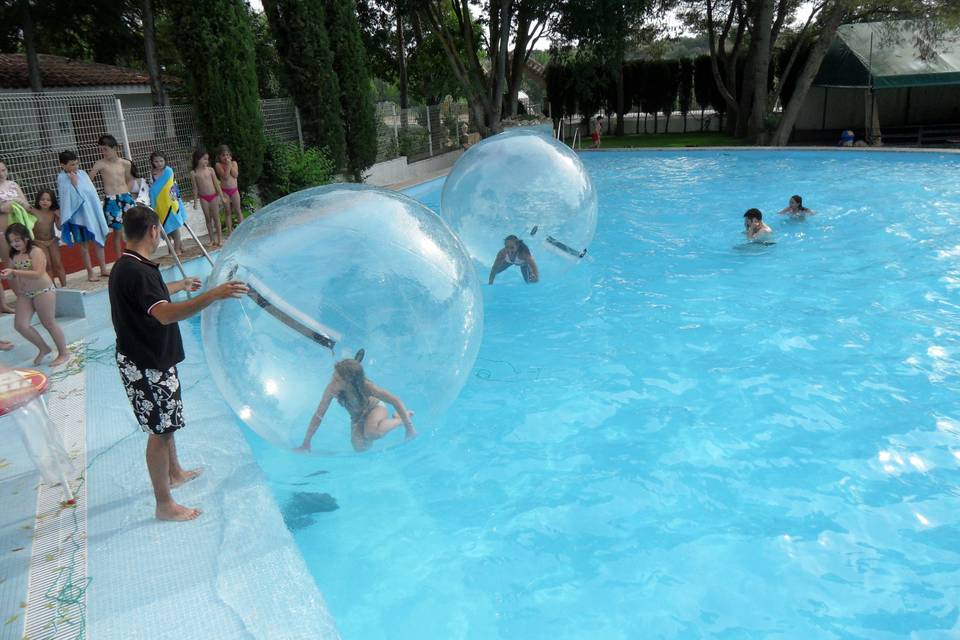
123 130
396 127
174 254
199 244
296 114
870 80
429 132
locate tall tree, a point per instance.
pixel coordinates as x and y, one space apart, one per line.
702 83
223 81
356 99
150 53
606 28
685 92
300 30
485 83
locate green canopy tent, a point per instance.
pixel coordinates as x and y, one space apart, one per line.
877 56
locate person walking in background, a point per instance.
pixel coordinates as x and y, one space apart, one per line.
228 171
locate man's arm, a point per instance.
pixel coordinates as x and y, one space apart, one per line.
170 312
499 265
94 170
187 284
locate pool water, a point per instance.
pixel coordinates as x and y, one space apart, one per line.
684 437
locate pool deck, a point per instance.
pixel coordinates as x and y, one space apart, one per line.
106 568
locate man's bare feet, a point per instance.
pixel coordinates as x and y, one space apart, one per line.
60 359
185 477
176 512
104 273
91 276
40 356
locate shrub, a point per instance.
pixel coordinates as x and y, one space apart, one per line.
413 141
288 168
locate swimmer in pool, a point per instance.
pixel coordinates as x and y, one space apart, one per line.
515 252
795 209
363 400
755 229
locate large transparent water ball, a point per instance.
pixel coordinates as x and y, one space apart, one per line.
523 183
333 270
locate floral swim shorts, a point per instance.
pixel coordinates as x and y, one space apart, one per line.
154 396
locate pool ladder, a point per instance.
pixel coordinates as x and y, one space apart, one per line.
575 143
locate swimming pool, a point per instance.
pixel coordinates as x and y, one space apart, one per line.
681 438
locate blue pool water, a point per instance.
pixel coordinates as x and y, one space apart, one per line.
682 438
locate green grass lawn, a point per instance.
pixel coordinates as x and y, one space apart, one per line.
691 139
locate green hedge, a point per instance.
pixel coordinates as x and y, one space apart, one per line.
287 168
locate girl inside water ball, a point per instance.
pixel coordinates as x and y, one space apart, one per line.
364 401
515 252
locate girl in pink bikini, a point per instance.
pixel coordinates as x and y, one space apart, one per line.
206 189
227 171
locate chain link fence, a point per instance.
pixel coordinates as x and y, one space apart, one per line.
35 128
420 132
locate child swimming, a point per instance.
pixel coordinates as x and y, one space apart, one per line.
363 400
755 229
795 209
515 252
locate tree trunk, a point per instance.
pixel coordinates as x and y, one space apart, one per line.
655 118
761 44
518 62
701 118
666 123
402 68
150 55
621 99
30 47
791 111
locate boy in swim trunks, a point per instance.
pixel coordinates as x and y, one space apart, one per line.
754 227
116 175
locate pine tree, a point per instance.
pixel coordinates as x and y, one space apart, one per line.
299 28
217 39
356 99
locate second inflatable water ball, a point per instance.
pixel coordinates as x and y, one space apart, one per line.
522 183
334 270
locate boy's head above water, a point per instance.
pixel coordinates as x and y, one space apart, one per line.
751 216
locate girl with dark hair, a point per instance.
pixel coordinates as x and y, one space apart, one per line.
796 209
45 234
35 294
363 400
515 252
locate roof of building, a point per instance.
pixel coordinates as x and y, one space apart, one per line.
888 54
59 72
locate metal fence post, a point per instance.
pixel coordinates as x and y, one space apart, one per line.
123 130
296 115
429 132
396 127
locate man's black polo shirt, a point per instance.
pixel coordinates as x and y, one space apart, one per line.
135 288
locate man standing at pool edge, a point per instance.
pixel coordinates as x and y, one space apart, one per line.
149 348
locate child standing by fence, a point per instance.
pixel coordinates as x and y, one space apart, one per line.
45 233
228 171
12 202
207 191
165 198
81 213
35 294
